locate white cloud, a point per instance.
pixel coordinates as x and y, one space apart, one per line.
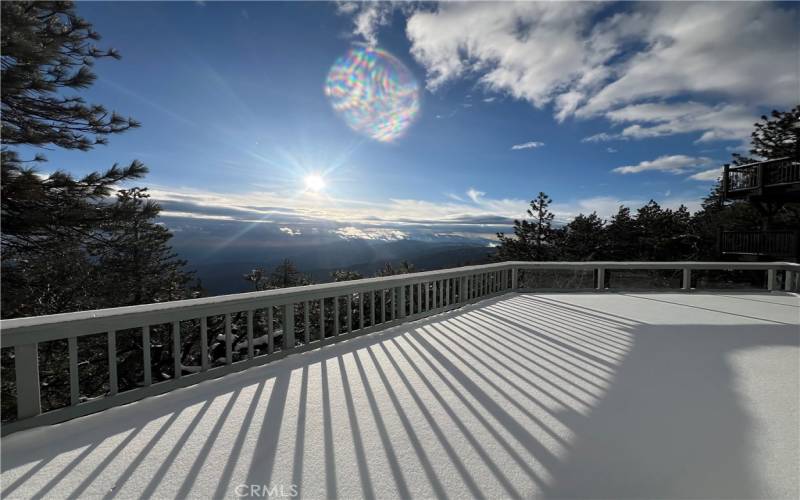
604 137
611 150
489 99
728 122
393 219
723 48
707 175
475 195
368 17
509 46
657 68
383 234
675 164
527 145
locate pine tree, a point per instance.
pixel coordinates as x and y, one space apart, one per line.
775 136
345 275
47 48
584 238
136 253
534 239
65 245
623 235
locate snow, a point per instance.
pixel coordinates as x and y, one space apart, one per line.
535 395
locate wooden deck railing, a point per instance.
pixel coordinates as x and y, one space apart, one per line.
781 243
298 316
760 175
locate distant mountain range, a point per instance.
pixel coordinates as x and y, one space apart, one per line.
222 251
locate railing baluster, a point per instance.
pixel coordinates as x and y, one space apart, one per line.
411 299
203 343
383 306
270 331
250 347
306 323
148 365
74 385
176 348
372 308
360 310
419 298
686 282
322 318
228 340
349 312
771 279
401 306
336 315
26 369
112 362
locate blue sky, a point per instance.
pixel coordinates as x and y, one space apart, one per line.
623 103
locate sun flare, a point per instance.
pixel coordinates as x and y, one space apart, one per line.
314 183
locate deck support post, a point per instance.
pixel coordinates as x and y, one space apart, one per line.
687 279
288 326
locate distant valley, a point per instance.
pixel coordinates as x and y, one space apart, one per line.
221 252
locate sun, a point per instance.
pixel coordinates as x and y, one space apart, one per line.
314 183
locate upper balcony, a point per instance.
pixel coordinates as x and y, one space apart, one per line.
775 180
474 382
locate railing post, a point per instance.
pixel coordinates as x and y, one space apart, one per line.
288 326
601 278
687 279
26 368
771 279
725 181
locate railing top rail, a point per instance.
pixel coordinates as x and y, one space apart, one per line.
733 168
15 331
226 303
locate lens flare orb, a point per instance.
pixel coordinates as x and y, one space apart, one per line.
373 92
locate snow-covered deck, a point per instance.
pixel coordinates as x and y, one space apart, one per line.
555 395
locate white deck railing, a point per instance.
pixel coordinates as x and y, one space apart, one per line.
372 304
